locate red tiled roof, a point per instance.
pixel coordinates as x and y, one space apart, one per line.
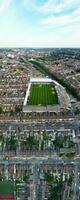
6 197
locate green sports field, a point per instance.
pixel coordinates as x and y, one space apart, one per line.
6 187
42 94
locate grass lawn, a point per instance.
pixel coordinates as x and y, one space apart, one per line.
42 94
6 187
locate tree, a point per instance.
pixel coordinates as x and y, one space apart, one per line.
17 109
11 113
1 110
58 142
11 143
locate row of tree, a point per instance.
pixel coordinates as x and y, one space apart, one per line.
66 84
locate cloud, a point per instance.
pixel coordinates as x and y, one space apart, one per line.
4 5
54 12
50 6
62 20
44 23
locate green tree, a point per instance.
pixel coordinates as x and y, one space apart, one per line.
17 109
1 110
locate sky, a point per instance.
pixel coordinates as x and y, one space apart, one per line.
40 23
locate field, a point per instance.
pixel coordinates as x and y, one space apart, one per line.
6 187
42 94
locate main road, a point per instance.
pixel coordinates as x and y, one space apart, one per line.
53 160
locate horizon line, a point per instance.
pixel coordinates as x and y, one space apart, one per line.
39 47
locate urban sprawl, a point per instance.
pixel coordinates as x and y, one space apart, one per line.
39 124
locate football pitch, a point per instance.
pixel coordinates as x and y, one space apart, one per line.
6 187
42 95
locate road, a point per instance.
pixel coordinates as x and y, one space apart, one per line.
38 162
27 126
55 160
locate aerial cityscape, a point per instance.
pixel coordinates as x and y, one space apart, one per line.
39 100
40 124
